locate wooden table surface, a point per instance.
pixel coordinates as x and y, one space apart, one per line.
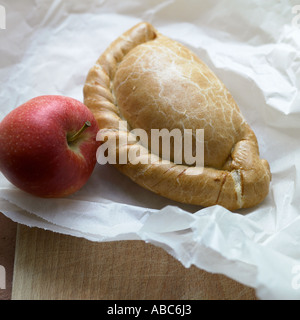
48 265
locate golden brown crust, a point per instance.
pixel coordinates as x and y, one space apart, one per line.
154 82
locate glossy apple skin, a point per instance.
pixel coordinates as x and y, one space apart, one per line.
34 152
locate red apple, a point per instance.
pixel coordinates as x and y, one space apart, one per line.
48 146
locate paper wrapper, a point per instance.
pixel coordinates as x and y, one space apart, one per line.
254 48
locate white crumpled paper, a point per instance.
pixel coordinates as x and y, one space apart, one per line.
253 46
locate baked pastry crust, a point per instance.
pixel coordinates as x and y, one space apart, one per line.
152 82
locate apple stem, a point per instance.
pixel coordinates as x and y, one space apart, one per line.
75 136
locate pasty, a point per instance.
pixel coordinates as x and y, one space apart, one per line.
147 81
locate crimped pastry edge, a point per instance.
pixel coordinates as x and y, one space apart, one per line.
237 185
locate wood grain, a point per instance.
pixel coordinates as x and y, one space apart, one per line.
54 266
